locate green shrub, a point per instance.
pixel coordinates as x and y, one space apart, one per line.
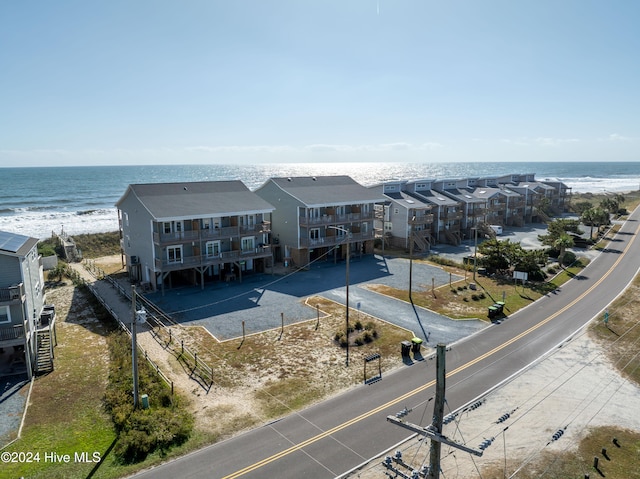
142 431
359 341
367 337
369 326
475 297
358 325
569 258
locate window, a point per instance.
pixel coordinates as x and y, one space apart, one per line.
248 243
213 249
5 314
174 254
396 211
166 227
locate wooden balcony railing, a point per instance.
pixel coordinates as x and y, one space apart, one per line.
12 293
335 219
334 240
11 332
205 260
209 234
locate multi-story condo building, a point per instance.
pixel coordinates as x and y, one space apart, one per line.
460 207
25 323
193 232
320 217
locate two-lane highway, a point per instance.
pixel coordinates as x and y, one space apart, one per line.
336 435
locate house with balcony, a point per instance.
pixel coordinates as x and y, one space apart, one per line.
26 323
405 218
193 232
321 217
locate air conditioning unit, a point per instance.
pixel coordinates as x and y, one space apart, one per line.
135 260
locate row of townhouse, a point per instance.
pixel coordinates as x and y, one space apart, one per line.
449 210
198 232
26 322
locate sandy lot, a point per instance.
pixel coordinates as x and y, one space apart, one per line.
572 389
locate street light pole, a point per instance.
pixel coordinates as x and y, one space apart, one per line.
475 253
347 284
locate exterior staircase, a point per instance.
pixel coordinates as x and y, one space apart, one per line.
44 355
423 244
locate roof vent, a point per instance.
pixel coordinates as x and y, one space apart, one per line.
289 179
185 188
314 178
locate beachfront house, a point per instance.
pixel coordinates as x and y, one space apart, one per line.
405 217
193 232
416 209
320 217
26 324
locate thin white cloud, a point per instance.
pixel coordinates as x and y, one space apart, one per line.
617 137
546 141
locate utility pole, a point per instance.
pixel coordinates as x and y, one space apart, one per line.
134 347
438 412
411 259
434 430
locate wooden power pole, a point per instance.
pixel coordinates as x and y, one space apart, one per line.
434 430
438 411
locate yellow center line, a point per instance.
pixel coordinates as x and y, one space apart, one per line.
407 395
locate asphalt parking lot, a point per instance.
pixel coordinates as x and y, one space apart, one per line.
260 300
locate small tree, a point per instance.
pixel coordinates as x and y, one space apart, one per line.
562 243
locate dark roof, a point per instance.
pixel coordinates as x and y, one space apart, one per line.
327 190
16 244
197 199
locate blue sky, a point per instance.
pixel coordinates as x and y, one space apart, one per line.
252 81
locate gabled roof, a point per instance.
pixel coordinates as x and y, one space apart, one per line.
409 201
200 199
15 244
437 198
314 191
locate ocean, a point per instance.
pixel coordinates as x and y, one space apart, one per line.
37 201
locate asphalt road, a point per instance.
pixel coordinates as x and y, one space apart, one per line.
326 440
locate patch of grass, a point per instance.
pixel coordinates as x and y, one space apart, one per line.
66 413
449 302
622 462
98 244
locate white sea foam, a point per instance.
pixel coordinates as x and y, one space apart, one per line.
41 225
36 201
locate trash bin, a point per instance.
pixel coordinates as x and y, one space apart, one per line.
500 306
416 343
144 400
493 311
405 348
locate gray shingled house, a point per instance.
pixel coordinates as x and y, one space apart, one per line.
320 217
25 322
193 232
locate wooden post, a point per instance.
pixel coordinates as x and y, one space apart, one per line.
242 330
318 313
281 324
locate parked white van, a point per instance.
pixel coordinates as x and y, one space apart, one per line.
497 229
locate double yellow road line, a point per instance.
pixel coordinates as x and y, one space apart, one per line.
420 389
